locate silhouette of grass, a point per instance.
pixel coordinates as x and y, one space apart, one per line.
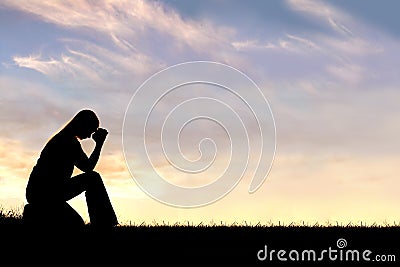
204 242
301 224
10 216
14 217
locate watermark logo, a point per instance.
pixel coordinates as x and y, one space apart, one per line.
341 243
338 253
192 131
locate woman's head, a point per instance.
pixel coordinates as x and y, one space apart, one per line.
84 123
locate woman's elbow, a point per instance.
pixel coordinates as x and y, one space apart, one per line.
86 167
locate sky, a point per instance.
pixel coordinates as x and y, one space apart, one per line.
328 71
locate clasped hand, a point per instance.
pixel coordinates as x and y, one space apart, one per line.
99 136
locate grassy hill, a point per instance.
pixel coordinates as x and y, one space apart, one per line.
203 245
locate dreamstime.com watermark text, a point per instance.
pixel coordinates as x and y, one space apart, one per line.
338 253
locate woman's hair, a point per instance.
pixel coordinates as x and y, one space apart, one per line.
84 119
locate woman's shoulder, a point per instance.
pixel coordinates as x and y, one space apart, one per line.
63 140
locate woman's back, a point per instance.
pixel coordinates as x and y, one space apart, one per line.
54 166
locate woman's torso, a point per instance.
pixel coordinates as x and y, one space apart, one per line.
54 166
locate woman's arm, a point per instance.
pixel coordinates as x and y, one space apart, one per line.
87 164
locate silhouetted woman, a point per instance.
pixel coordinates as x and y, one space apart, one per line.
50 184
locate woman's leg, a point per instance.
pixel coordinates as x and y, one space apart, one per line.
52 215
47 208
68 216
100 210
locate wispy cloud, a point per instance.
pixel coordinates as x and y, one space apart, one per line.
336 19
88 62
127 21
346 52
251 45
48 67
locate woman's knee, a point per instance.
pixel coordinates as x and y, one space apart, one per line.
94 177
94 174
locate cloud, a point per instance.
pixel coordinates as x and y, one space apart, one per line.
310 61
251 45
46 67
289 43
307 43
129 42
349 73
25 106
88 62
333 17
346 53
127 23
